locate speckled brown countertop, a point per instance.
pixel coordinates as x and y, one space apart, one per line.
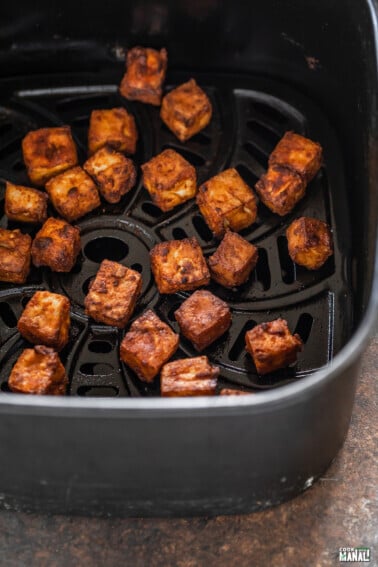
340 510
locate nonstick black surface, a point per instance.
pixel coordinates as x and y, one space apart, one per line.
250 115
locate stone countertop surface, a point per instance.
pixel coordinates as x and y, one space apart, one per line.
340 510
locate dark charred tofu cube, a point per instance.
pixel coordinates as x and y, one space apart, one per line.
73 193
38 370
280 189
232 392
145 75
179 265
272 346
298 154
47 152
189 377
233 261
203 318
113 127
24 204
310 242
114 174
227 202
46 320
148 345
56 245
14 256
113 294
186 110
169 179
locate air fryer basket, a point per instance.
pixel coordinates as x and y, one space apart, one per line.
207 455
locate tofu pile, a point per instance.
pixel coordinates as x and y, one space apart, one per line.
65 191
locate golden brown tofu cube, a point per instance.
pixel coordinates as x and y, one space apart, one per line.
233 261
46 320
145 75
113 294
148 345
169 179
113 127
309 242
114 173
186 110
179 265
272 346
280 189
203 318
56 245
189 377
38 370
299 154
47 152
24 204
226 202
232 392
73 193
14 256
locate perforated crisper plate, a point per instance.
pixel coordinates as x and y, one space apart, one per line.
250 116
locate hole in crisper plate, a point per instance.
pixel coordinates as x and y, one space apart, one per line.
6 314
96 369
98 391
287 264
239 345
304 326
202 228
100 346
179 233
106 247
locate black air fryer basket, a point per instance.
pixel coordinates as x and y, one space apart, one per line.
113 445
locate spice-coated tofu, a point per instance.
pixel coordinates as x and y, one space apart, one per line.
272 346
148 345
280 189
47 152
298 154
46 320
233 261
232 392
145 75
203 318
179 265
57 245
226 202
113 294
189 377
186 110
113 127
169 179
14 256
24 204
114 174
73 193
38 370
309 242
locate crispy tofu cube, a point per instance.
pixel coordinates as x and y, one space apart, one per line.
169 179
272 346
203 318
299 154
148 345
280 189
145 75
226 202
309 242
186 110
73 193
24 204
47 152
113 294
179 265
46 320
113 127
189 377
38 370
233 261
57 245
232 392
114 173
14 256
